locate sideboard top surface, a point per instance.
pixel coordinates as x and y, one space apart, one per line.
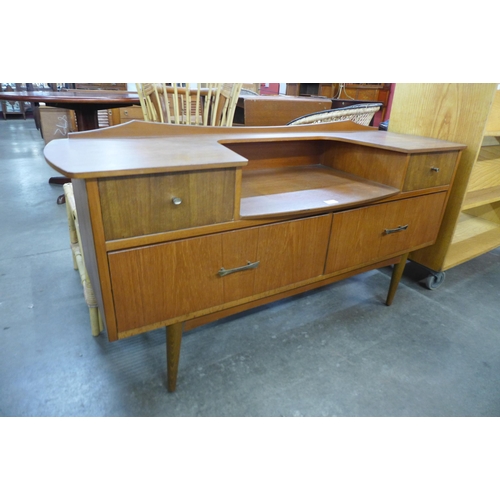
138 147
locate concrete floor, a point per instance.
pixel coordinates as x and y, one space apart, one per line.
338 351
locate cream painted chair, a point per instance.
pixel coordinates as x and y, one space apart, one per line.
205 104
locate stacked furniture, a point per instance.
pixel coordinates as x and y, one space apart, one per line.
181 225
470 114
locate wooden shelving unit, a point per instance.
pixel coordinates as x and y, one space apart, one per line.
470 114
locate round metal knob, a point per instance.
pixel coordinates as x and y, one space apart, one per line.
176 201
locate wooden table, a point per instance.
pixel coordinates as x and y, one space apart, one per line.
182 225
85 104
272 110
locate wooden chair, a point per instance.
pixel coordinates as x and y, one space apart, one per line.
358 113
211 104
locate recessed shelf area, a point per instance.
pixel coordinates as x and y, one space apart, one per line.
484 183
481 197
473 236
267 192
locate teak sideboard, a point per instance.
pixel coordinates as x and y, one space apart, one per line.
182 225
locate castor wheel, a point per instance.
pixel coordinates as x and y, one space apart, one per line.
434 280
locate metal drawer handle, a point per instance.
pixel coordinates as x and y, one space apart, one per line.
396 230
434 169
250 265
176 201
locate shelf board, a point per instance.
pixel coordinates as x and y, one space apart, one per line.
481 197
473 237
492 133
267 192
489 152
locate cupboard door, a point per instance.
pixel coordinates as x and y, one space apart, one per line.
160 282
360 237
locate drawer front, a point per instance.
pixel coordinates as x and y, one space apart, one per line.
155 283
430 170
363 236
169 280
287 253
131 113
148 204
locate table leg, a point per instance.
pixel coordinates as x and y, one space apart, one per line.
86 118
397 272
174 338
61 199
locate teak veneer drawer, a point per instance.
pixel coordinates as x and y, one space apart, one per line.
173 279
131 113
368 234
148 204
430 170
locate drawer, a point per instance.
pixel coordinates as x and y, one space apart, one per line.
430 170
287 253
148 204
165 281
131 113
366 235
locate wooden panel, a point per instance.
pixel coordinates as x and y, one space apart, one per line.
139 205
269 110
474 236
288 252
493 123
291 252
422 215
358 236
421 172
378 165
490 212
238 249
56 123
159 282
486 173
279 154
173 279
131 113
481 197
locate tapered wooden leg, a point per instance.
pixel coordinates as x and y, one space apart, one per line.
174 338
397 272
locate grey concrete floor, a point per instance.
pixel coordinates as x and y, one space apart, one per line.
338 351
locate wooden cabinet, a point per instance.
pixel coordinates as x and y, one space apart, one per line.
182 225
467 113
374 92
322 89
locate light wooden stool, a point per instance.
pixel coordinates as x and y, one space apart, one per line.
79 261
